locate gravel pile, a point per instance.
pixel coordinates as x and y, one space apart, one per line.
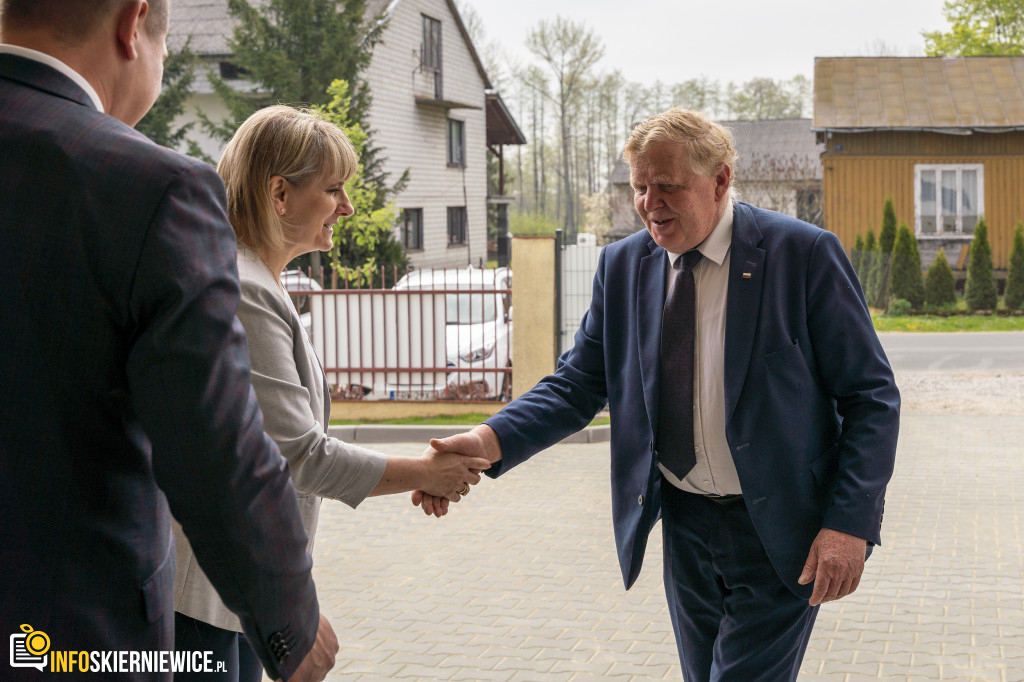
934 393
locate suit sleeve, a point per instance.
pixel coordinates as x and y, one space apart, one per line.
188 373
564 402
853 366
320 465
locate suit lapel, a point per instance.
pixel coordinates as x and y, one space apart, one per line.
650 295
743 305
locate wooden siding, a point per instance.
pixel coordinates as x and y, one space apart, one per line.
859 176
414 136
903 143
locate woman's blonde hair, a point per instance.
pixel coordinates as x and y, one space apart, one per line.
297 144
708 143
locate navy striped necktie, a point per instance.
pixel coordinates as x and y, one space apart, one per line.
675 395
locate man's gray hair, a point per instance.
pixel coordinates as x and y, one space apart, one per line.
709 144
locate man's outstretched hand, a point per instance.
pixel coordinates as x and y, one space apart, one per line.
480 442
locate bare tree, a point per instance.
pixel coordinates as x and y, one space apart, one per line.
570 50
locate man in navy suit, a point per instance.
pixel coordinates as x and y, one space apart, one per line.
765 449
124 376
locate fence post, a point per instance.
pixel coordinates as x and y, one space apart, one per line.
533 310
559 284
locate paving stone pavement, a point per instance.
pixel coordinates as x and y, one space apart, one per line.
520 580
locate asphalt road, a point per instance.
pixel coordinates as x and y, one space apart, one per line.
956 352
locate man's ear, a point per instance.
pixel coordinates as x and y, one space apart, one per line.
129 25
723 180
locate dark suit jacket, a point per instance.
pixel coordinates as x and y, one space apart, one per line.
812 411
124 388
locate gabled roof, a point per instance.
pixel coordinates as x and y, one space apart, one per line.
501 127
769 150
942 94
210 26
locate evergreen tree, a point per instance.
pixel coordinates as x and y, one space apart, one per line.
907 282
364 243
292 50
940 286
867 265
1014 294
981 293
158 123
858 255
883 264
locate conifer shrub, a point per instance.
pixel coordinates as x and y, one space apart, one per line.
858 255
867 265
980 292
940 285
1014 294
907 282
882 267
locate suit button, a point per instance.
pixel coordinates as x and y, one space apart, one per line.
640 500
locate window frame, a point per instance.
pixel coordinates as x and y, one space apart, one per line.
456 154
407 213
431 54
462 229
960 230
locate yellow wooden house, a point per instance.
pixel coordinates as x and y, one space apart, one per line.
943 136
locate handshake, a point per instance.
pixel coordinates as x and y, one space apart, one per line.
454 464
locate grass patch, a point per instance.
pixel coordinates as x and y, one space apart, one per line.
471 419
952 323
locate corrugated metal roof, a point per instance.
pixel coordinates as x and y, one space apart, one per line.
951 94
769 150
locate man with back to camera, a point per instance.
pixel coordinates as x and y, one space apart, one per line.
752 407
125 375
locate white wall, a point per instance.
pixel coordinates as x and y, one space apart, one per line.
214 108
414 136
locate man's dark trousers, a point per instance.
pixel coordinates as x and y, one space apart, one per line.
734 619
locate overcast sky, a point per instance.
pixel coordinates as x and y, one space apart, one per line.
728 40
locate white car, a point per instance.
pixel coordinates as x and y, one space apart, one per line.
478 330
295 282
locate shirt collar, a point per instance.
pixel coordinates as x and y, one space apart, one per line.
54 63
716 246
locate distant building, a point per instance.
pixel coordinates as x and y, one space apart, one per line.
433 114
943 136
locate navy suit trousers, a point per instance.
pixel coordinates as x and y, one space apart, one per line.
734 619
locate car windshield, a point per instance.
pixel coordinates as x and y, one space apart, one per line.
470 308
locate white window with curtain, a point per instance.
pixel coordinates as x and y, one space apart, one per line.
948 199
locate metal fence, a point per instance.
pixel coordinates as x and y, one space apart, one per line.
438 334
578 263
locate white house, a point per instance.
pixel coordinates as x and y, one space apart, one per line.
429 116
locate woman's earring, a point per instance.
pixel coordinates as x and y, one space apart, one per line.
282 211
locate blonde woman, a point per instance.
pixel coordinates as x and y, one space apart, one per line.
285 172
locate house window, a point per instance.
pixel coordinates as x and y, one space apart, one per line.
412 228
430 51
456 143
948 199
456 225
231 72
